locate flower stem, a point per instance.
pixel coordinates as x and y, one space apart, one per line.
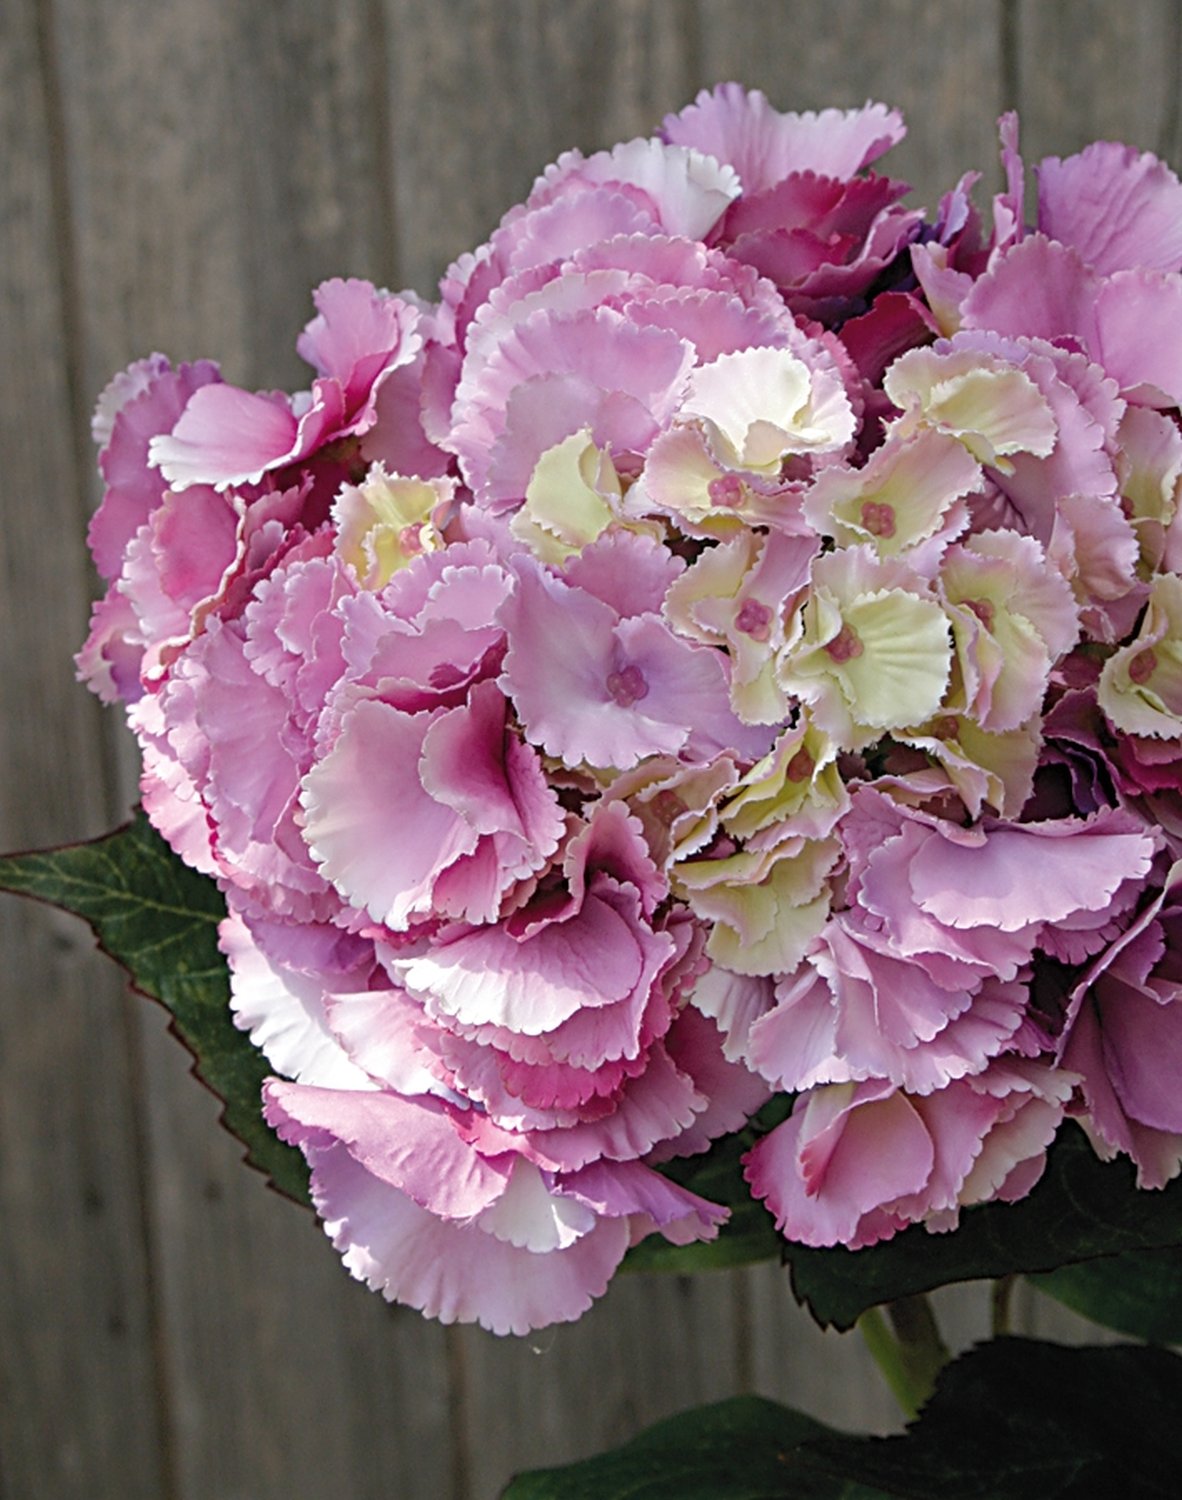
908 1350
1003 1289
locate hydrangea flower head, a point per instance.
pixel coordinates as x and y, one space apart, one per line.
731 642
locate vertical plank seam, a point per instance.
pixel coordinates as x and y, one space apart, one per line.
378 55
1009 55
457 1403
693 50
62 241
64 250
1167 140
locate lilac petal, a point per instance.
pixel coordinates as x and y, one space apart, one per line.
226 436
630 573
1148 370
358 332
409 1144
876 1149
1023 873
658 1105
734 1002
619 1189
733 1091
381 1030
1117 208
455 1272
794 1045
134 489
282 1005
764 144
1038 289
557 671
486 977
370 824
1143 1053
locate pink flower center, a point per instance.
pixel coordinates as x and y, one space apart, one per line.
983 609
754 619
946 728
845 645
410 538
801 766
668 806
627 686
725 489
1142 666
878 519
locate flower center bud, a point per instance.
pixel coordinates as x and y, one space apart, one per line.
983 609
878 519
410 539
1142 666
754 619
845 645
726 489
627 686
668 806
946 728
801 766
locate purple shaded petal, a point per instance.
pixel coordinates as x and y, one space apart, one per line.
764 144
1118 208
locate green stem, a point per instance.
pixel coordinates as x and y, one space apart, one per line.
1003 1290
908 1350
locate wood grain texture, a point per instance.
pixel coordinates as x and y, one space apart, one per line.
484 94
939 64
77 1358
179 176
1088 71
224 159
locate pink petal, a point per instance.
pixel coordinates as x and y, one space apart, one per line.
1038 872
408 1144
1117 208
454 1272
370 824
764 144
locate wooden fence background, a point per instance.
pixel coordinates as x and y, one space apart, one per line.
177 175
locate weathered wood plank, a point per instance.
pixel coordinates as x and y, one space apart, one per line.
77 1364
485 94
1089 71
225 158
939 64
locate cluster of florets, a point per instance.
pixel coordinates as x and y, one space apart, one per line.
731 643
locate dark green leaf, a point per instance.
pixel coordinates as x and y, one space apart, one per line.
159 920
750 1233
1083 1208
1138 1293
742 1449
1017 1419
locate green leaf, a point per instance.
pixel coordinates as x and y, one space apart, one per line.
750 1233
1139 1293
159 919
1018 1419
743 1449
1082 1209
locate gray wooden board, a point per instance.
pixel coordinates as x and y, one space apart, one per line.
939 64
1089 70
216 161
225 158
77 1366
